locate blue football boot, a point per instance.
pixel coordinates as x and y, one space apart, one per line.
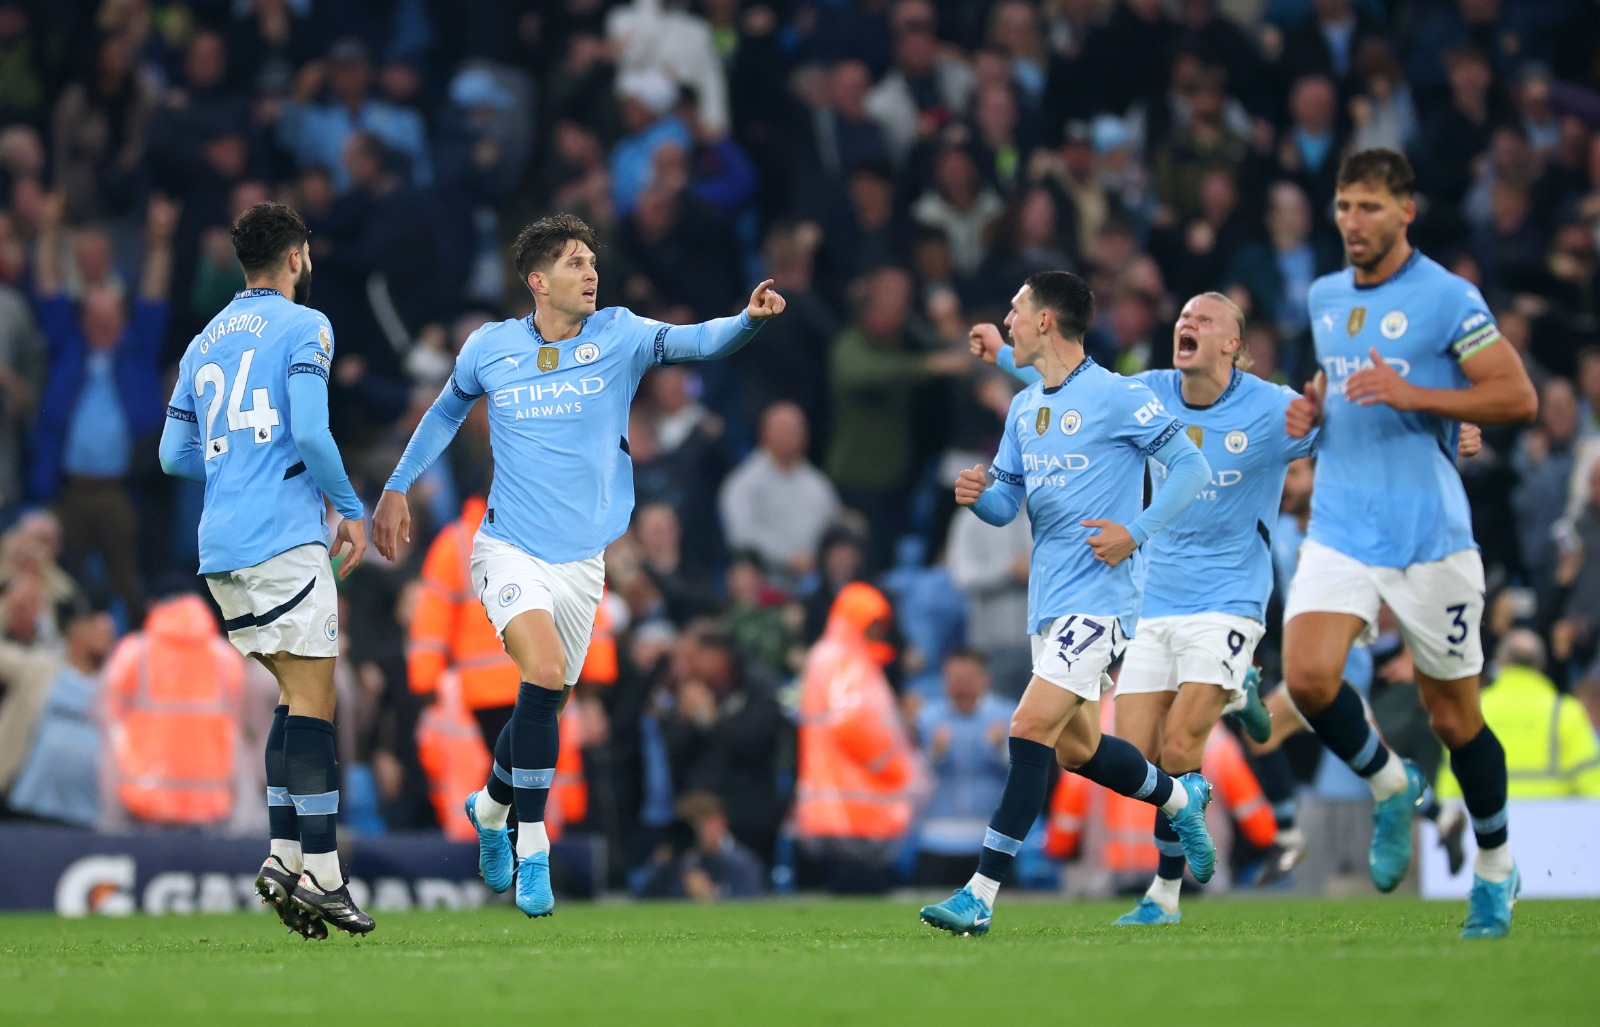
1190 823
1253 716
533 885
1489 906
496 860
1148 913
961 914
1390 855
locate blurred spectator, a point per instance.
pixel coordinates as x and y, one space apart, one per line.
1543 462
1329 42
647 97
1453 137
1277 272
665 35
103 403
841 559
1309 151
690 439
22 376
1551 748
990 566
1015 30
24 53
875 374
1204 144
1195 255
32 547
701 859
960 206
843 133
926 90
685 586
776 503
317 131
56 767
267 41
1577 636
98 133
869 233
1510 249
171 729
764 625
683 250
25 617
858 770
726 735
1129 55
1382 113
963 739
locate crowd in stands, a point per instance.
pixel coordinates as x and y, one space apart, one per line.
806 656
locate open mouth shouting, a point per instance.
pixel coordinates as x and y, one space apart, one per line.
1188 345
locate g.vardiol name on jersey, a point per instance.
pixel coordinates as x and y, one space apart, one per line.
1215 556
558 422
1386 491
1079 449
233 384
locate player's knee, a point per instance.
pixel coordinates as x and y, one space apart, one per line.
1072 753
547 673
1454 723
1181 750
1312 684
1025 724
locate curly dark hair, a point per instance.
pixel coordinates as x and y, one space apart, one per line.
1388 169
539 244
264 234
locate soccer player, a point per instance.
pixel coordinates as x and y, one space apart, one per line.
1074 450
1209 574
559 383
249 417
1406 350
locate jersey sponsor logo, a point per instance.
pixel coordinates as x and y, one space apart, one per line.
1045 462
1338 368
1393 324
1196 434
1357 319
1149 412
513 361
330 627
1041 423
588 353
1235 441
549 358
1071 421
547 391
1477 320
1220 478
1326 321
510 594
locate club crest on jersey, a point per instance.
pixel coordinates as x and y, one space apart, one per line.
1235 441
1358 318
549 358
330 627
325 340
1393 324
588 353
1071 421
1041 423
509 594
1196 434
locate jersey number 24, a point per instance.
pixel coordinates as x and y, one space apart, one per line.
259 420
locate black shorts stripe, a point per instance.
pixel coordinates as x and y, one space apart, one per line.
295 471
251 620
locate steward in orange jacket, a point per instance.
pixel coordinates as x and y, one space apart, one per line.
857 766
455 655
172 717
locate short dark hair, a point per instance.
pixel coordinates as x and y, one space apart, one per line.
964 653
542 242
264 234
1379 167
1066 296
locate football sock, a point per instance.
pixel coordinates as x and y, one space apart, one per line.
1344 729
985 888
493 804
535 745
1276 775
1020 803
313 781
1170 861
1480 767
1118 765
1164 892
281 823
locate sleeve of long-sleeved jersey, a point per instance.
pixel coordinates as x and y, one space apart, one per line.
1187 473
181 455
672 344
308 423
999 503
1006 360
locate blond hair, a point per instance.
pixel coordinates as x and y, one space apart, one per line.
1241 356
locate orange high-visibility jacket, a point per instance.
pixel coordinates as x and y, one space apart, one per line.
172 717
1130 824
857 766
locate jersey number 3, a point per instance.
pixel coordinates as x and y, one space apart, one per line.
259 420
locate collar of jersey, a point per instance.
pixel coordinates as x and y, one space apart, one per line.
252 294
533 330
1233 383
1416 255
1088 361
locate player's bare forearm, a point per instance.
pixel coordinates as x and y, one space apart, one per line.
1499 400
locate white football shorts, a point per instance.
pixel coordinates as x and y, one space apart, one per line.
1438 605
1203 648
285 604
1074 651
511 582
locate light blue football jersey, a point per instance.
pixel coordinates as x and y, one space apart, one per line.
1215 556
1079 450
558 422
233 384
1387 492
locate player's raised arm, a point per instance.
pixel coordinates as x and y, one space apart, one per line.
721 336
391 522
986 344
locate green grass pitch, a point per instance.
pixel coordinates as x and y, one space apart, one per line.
1383 961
